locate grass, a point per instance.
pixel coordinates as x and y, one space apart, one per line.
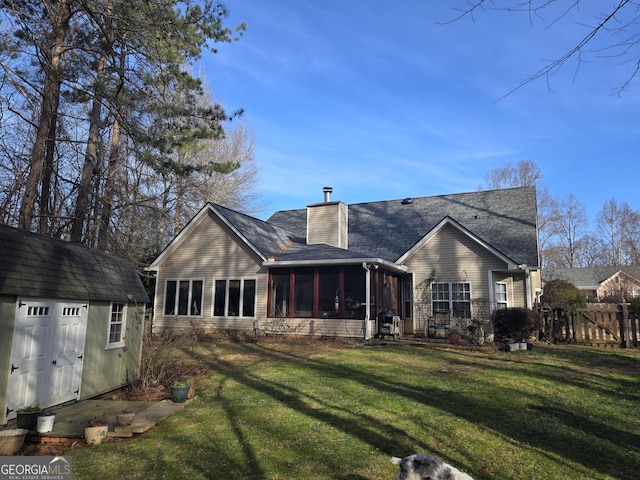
278 409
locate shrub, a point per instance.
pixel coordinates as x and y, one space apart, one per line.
516 323
561 293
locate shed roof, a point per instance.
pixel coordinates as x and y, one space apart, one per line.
42 267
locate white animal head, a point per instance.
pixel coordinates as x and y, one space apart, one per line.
426 467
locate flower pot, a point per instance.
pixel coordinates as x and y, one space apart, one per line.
12 440
179 393
455 338
95 435
45 423
27 420
125 418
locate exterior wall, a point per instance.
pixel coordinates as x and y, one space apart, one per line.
211 251
7 317
108 369
516 288
452 256
330 327
328 223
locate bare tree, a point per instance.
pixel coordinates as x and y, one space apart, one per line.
524 174
570 225
612 24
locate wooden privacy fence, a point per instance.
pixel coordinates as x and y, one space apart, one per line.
599 324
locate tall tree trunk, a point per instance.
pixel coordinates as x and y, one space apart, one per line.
44 144
109 187
90 156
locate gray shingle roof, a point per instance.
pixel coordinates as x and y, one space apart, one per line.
587 277
505 219
268 239
37 266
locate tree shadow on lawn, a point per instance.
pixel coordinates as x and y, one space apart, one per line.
526 427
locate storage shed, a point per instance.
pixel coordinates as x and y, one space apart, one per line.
71 321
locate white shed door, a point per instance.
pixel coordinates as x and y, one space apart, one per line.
47 352
68 353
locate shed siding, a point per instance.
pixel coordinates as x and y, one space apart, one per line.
108 369
211 251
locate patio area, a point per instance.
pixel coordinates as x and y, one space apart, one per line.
71 419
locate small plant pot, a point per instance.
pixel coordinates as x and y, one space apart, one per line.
125 418
27 420
512 347
455 338
95 435
12 440
179 393
45 423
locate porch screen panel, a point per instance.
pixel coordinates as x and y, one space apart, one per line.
329 293
280 301
303 295
354 292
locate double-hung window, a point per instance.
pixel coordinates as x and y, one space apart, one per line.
501 295
453 297
183 297
116 325
234 298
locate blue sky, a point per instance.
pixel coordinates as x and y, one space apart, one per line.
381 100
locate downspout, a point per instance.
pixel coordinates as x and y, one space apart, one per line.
367 305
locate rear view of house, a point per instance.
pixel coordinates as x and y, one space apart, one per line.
352 270
71 320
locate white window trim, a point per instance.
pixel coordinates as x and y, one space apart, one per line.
450 299
241 300
121 343
177 296
506 292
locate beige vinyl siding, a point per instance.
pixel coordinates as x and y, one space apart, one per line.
211 251
515 288
328 223
451 256
330 327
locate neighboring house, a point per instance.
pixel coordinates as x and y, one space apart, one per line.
599 283
332 268
71 320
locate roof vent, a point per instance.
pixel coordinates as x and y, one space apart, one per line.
407 201
327 193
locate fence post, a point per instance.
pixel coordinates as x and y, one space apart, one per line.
624 325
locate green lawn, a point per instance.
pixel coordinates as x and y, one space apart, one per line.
273 409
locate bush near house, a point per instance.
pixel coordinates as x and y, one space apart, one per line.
516 323
563 294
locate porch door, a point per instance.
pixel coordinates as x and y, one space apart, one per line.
47 350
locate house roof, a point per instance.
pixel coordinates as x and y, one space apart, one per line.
587 277
504 219
42 267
